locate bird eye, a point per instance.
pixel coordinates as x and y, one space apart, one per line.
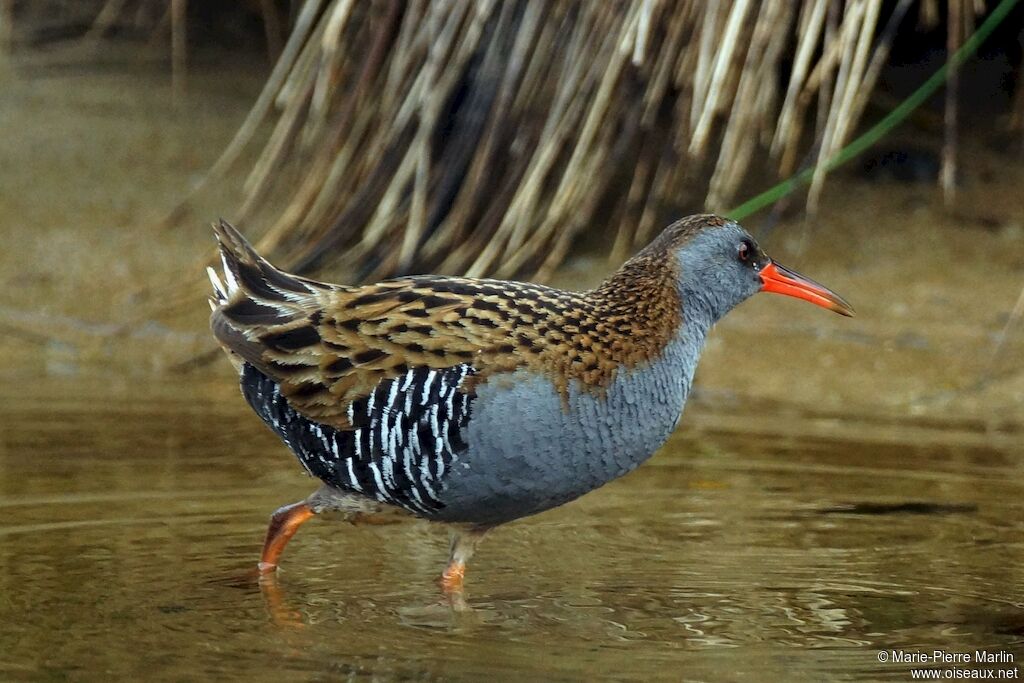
746 250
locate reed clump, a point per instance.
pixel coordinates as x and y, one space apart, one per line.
484 137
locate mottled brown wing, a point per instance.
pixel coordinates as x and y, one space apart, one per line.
327 346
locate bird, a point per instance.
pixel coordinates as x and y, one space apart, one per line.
476 402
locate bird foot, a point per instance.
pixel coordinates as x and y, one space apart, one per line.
452 585
452 577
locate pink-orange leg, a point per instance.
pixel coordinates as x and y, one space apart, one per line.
283 525
463 546
452 577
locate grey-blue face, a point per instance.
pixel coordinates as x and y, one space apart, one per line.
720 267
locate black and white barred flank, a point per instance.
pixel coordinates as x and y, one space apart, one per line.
405 435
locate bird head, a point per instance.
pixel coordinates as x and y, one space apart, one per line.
721 265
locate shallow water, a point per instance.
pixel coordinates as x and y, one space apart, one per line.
758 544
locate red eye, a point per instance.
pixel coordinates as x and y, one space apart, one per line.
744 251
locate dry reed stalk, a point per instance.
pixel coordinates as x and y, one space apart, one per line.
849 39
928 14
812 20
881 54
958 9
726 49
1005 334
1016 122
106 19
179 42
6 24
272 28
823 77
755 85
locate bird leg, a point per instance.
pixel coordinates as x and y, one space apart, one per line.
463 545
283 525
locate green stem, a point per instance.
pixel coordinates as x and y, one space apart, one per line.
883 127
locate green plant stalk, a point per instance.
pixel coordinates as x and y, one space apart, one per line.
883 127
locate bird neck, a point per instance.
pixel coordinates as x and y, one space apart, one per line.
702 308
640 309
656 313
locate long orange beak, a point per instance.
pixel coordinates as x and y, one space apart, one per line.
781 280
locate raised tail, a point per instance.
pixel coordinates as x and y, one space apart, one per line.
249 275
254 302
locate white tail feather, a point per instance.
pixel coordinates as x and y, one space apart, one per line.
229 276
218 287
